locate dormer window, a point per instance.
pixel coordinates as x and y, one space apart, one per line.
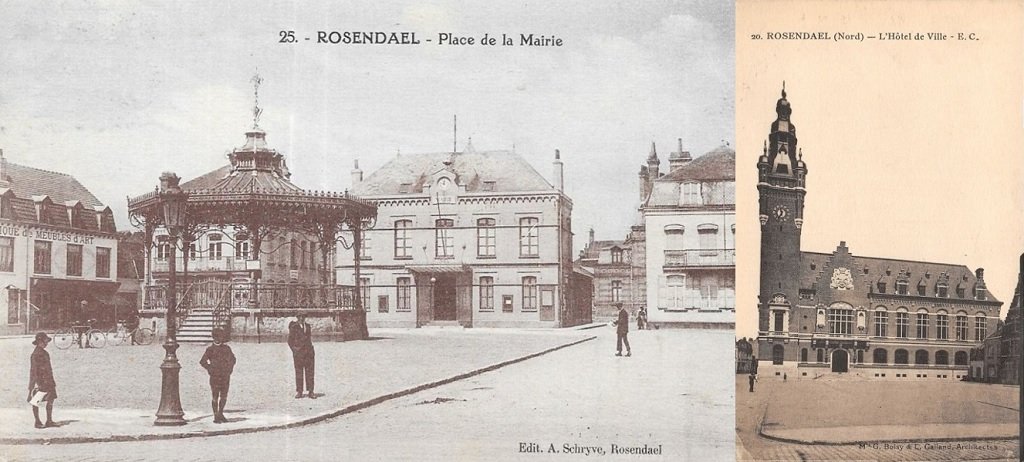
690 194
881 287
960 292
921 288
942 290
979 293
404 188
488 186
902 287
616 255
75 216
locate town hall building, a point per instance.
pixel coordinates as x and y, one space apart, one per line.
837 312
471 239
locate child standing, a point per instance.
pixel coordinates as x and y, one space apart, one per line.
219 362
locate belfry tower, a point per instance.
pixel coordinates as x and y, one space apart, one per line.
781 189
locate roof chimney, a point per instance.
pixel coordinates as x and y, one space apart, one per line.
653 162
357 174
591 236
679 158
559 172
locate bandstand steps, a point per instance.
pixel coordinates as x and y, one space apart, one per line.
197 327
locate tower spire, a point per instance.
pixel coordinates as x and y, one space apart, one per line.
256 111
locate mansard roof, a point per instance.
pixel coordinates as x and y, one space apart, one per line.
887 270
594 248
508 171
61 188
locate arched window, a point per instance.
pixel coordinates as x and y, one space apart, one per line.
777 354
881 322
922 323
821 355
840 319
942 325
901 357
674 237
803 355
881 356
941 358
921 357
961 325
980 327
902 322
960 358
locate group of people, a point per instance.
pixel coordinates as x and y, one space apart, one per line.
218 360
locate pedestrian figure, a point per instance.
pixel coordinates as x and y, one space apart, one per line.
621 331
752 379
40 379
641 318
301 342
219 362
131 324
82 318
783 376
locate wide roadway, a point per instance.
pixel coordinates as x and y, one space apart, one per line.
675 393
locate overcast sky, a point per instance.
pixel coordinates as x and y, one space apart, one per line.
115 95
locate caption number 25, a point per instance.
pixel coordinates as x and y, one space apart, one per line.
287 36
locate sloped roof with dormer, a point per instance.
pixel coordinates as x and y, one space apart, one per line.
508 171
61 188
716 169
867 272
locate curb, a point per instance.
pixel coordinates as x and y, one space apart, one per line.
299 423
877 441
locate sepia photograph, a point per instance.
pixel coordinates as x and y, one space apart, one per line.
356 230
878 302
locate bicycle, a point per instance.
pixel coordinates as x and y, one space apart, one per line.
94 338
121 333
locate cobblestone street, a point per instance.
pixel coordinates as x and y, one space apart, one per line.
792 401
572 399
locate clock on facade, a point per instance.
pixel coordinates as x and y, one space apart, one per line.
443 183
781 212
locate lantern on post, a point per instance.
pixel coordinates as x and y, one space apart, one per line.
173 205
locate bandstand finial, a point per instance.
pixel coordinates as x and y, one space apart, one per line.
256 111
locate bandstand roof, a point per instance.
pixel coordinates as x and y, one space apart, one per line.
256 186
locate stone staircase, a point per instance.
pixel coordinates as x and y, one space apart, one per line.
197 327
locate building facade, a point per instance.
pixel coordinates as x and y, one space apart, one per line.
689 223
472 238
58 248
618 269
998 358
840 313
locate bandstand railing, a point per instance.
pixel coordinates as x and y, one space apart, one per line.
235 296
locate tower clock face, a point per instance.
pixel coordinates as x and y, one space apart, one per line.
781 212
443 183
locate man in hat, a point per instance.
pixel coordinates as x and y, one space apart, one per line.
300 340
621 331
40 379
219 362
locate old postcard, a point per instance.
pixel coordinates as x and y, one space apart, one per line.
356 230
879 243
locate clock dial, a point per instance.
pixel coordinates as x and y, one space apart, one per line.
444 183
781 212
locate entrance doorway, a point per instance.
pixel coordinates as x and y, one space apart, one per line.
444 298
840 361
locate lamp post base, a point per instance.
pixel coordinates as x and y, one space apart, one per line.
170 413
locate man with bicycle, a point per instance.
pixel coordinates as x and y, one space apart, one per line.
82 326
132 325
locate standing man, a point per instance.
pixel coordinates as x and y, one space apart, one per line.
40 379
219 362
641 318
621 330
82 323
301 342
752 379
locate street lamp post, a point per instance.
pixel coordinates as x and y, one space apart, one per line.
172 201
